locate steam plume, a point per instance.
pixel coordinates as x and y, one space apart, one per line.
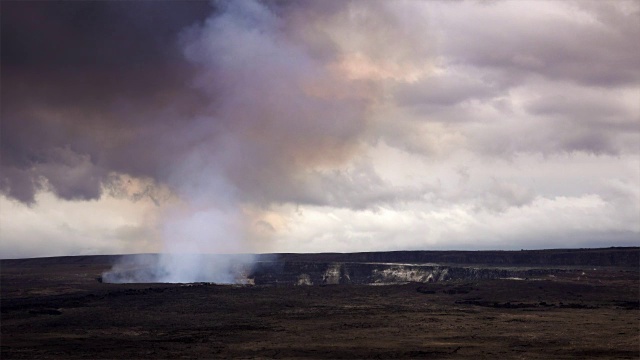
273 112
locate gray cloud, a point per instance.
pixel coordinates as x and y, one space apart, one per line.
238 89
444 91
595 45
93 79
359 187
224 116
252 86
545 82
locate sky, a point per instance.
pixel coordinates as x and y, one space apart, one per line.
318 126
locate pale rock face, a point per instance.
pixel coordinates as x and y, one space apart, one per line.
408 274
332 275
304 279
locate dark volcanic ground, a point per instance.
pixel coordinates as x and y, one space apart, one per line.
55 308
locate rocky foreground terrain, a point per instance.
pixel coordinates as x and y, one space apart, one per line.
551 304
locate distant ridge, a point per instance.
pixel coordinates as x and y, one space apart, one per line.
612 256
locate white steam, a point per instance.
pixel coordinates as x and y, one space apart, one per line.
181 268
276 112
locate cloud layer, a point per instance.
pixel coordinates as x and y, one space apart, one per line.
319 126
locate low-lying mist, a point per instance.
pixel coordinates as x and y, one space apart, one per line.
181 268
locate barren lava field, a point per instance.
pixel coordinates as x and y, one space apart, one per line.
586 308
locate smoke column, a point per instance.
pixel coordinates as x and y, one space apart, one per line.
275 112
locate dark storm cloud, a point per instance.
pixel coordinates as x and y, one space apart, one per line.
90 80
173 93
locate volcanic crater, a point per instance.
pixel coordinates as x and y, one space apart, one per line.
576 303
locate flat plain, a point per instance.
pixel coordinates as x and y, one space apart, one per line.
55 308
